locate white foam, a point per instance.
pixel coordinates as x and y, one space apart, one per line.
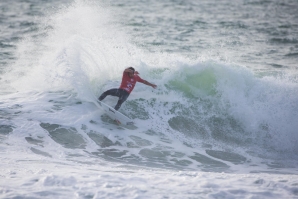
84 53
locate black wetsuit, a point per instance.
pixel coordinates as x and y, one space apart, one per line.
118 92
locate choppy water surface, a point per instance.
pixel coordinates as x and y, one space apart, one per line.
221 124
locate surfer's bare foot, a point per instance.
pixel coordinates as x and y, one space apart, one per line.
117 121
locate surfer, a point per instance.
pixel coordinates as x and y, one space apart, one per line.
129 79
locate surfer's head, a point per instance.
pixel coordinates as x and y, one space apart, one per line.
131 68
133 71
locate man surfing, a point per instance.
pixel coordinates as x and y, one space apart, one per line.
129 79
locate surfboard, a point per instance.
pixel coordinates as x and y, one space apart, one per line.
115 115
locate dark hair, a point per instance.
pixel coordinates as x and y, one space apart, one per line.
131 68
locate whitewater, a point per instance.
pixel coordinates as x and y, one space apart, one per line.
222 122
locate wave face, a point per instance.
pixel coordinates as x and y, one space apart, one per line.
220 108
205 114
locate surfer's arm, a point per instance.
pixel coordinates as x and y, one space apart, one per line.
149 84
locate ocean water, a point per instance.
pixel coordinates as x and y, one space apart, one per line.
222 123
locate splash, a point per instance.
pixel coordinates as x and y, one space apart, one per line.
203 109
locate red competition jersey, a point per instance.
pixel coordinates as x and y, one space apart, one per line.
129 83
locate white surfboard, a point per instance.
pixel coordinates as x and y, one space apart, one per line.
115 115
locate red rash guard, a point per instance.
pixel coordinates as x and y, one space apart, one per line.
129 83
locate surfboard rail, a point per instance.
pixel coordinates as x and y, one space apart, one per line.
115 115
